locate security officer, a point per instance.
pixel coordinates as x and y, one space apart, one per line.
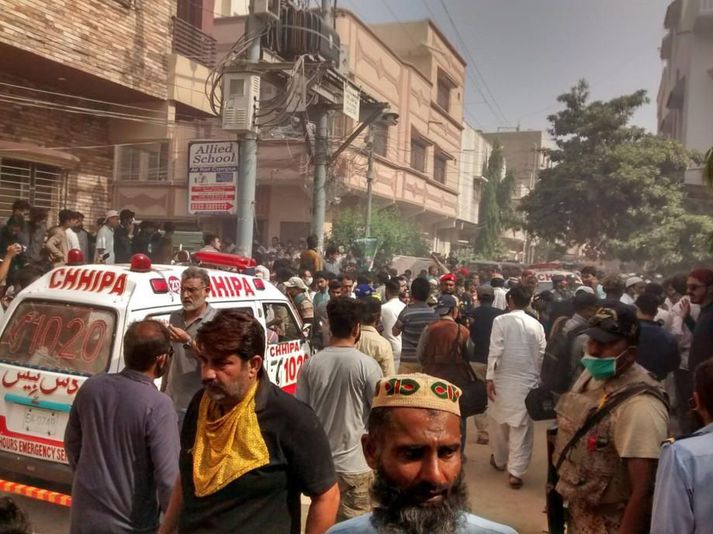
611 424
685 473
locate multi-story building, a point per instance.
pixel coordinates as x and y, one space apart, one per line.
523 151
95 96
418 73
685 97
475 152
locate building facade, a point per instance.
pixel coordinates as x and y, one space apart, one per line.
685 97
475 152
523 151
93 96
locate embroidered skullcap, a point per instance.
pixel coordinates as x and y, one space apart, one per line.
417 390
703 275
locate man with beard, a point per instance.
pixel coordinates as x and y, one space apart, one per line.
184 375
122 440
700 291
413 445
248 449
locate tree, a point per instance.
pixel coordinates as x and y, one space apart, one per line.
395 235
496 213
613 188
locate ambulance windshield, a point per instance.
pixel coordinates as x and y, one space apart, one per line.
57 336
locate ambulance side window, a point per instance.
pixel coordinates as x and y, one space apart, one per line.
281 324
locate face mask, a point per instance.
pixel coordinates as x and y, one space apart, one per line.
601 368
308 280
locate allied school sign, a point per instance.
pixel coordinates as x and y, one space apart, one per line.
212 177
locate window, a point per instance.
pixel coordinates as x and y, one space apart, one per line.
418 154
440 167
341 126
57 336
281 324
381 139
142 163
443 94
41 185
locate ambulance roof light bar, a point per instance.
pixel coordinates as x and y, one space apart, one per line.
75 257
140 263
220 259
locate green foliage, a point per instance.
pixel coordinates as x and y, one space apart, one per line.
614 188
395 234
708 168
496 212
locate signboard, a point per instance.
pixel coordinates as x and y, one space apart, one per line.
350 102
212 177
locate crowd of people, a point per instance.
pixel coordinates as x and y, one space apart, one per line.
375 434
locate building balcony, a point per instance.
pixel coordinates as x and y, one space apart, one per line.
673 15
704 18
667 46
192 43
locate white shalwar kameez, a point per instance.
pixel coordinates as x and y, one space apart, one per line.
517 346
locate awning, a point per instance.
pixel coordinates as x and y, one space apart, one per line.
38 154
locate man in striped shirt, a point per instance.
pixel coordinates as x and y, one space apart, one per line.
411 322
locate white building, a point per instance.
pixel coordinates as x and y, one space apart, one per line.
685 97
475 151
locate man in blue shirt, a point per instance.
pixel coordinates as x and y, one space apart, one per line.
685 472
413 445
122 440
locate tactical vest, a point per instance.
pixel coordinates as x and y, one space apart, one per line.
592 471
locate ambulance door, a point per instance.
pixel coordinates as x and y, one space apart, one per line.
287 348
132 316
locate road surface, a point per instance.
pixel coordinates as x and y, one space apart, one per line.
490 495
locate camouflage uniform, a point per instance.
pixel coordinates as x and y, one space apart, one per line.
593 478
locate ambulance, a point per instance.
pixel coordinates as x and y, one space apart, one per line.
69 325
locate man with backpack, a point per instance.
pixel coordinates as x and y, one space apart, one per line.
611 424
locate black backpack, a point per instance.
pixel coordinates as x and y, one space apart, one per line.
555 375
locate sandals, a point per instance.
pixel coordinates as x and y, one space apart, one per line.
495 466
515 482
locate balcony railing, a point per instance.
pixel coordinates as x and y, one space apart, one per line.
192 43
706 7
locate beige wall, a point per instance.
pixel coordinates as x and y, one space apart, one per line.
385 61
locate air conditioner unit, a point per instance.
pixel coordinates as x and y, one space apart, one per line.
241 92
267 9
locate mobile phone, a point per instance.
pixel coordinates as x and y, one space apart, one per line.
105 256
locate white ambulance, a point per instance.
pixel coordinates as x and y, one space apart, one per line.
69 325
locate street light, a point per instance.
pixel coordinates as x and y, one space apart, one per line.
387 119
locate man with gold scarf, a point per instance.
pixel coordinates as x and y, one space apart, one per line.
247 448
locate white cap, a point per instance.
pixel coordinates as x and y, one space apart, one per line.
585 289
111 213
633 281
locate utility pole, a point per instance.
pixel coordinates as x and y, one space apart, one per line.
247 169
321 157
369 177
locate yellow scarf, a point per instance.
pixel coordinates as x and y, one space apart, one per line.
226 447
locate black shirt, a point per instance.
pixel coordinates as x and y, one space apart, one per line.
480 329
266 499
658 349
702 342
122 245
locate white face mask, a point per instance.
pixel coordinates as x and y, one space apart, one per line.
308 280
